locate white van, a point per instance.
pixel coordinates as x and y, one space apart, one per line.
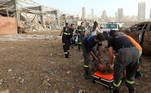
112 26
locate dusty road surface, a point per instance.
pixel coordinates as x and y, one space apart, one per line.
34 63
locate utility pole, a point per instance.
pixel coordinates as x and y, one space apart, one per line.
42 17
7 12
17 14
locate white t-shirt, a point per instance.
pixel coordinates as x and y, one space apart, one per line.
95 32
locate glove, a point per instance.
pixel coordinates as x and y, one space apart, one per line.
99 60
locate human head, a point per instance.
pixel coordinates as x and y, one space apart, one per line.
87 24
112 33
66 24
72 26
82 23
115 33
100 37
95 25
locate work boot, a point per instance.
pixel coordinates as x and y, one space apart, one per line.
66 56
69 54
79 48
86 75
116 91
131 90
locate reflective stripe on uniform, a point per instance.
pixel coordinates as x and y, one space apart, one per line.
80 43
79 30
130 82
117 85
65 52
86 66
67 33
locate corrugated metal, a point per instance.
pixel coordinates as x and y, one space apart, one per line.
7 6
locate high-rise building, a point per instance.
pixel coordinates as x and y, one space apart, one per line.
141 11
92 13
150 14
120 14
104 15
116 16
83 13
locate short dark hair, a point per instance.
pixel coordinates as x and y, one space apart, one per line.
100 37
82 23
115 33
112 33
72 24
66 24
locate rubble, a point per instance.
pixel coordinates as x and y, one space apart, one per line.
24 37
9 70
6 91
141 32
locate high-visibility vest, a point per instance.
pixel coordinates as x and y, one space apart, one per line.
135 43
66 31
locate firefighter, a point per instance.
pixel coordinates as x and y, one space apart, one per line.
81 34
66 38
88 44
88 30
127 54
96 49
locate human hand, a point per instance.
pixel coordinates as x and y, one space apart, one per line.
112 67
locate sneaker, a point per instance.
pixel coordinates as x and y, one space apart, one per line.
138 75
87 77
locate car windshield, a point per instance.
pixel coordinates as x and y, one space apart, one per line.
111 26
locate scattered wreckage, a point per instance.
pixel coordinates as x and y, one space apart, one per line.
141 32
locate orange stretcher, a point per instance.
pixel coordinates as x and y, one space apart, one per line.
103 79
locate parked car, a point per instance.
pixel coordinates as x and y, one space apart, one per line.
141 32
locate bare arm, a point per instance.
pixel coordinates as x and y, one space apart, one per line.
100 51
111 55
61 33
93 55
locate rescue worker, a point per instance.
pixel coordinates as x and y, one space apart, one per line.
88 44
66 38
81 34
88 30
97 49
127 53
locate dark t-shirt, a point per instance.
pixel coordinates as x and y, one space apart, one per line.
119 42
89 43
65 29
81 30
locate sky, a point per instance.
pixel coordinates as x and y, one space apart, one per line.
74 7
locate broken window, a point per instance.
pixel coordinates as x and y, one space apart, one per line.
140 27
150 28
145 27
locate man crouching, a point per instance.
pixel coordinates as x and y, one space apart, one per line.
88 44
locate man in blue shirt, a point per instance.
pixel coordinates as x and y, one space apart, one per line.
88 44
